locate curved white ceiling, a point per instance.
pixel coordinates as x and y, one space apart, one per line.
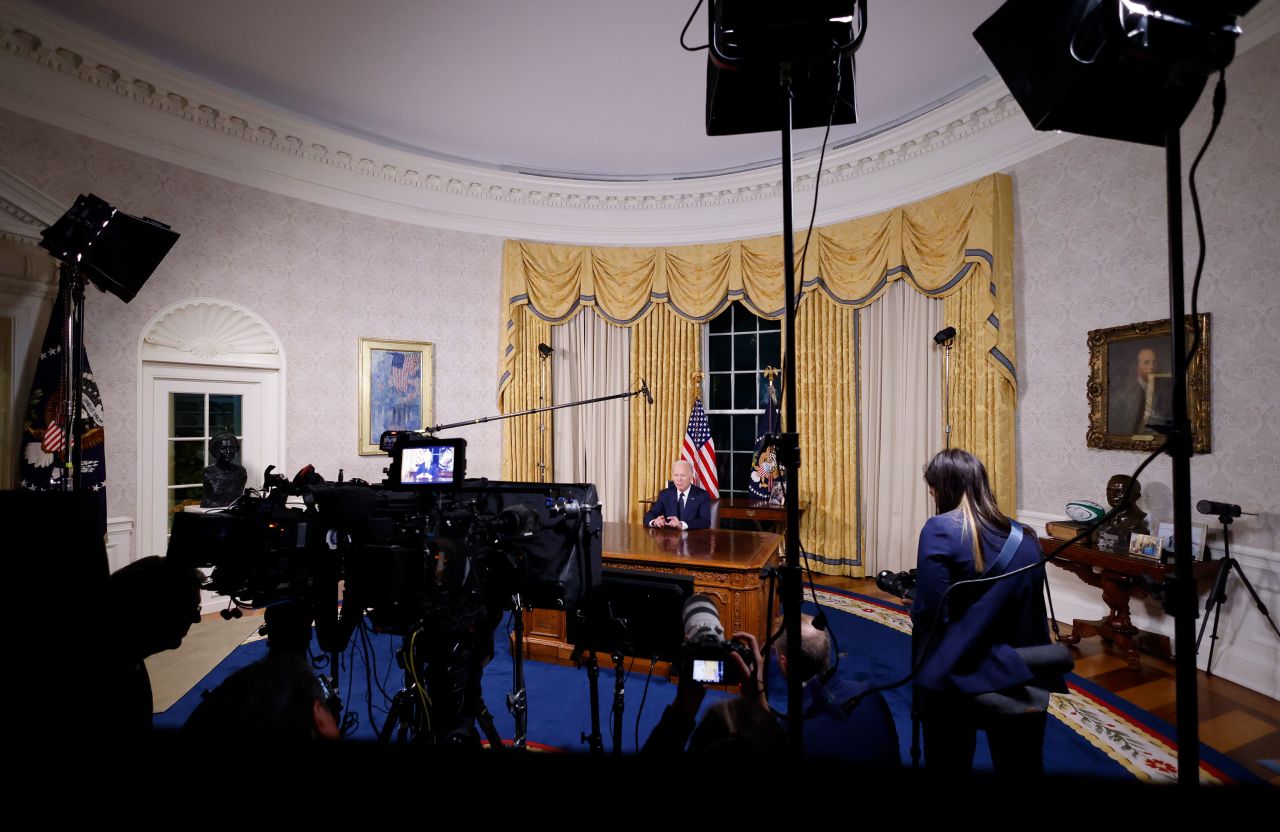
580 88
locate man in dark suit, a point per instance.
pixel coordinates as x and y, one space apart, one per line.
681 505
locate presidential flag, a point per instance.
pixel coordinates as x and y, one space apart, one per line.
44 438
766 474
700 451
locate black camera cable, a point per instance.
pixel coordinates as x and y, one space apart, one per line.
653 662
687 24
1219 105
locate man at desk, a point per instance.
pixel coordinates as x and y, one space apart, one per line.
681 505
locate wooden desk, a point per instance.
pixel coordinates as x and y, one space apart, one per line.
1120 577
724 564
761 511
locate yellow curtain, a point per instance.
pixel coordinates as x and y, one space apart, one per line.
524 331
956 246
666 350
826 416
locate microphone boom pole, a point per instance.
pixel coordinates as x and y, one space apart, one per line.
643 391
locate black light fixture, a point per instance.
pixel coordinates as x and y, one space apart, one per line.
1133 71
118 252
1116 69
750 39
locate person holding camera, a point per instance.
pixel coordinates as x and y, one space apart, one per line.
865 735
971 652
741 724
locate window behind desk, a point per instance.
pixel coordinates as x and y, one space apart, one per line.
739 345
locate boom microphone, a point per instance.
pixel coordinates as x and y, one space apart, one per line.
644 391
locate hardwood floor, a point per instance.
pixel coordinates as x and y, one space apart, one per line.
1240 723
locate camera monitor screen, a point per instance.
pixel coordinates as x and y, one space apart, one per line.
429 463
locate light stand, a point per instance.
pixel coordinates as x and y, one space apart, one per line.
72 280
801 43
118 252
1131 72
1181 598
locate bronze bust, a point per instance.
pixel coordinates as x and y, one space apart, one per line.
224 480
1114 535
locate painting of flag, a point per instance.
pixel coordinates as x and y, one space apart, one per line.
395 388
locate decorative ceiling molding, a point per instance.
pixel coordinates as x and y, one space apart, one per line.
26 271
24 210
55 71
211 331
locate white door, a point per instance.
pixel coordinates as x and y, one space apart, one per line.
184 407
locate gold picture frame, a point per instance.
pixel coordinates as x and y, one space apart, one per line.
396 383
1130 386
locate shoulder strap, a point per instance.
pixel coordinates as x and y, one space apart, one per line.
1006 552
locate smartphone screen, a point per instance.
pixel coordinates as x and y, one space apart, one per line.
708 671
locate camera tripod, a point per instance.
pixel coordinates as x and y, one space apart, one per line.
1218 595
440 703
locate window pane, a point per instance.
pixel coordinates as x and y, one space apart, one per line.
744 394
186 414
186 461
224 414
768 325
724 321
771 349
722 469
744 320
718 352
744 433
744 352
181 496
721 391
741 471
719 424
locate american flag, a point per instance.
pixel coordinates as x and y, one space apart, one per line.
404 370
700 451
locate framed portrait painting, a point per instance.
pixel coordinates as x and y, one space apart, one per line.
395 389
1131 386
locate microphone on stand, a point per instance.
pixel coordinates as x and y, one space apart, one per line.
545 351
644 391
943 338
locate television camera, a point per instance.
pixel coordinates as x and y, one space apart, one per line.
427 555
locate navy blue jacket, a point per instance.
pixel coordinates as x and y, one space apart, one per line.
697 507
972 652
867 735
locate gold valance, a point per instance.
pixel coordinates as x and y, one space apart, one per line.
937 245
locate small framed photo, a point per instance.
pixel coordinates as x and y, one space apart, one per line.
395 389
1145 545
1131 386
1199 534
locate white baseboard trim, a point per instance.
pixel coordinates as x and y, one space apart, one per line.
119 542
1247 653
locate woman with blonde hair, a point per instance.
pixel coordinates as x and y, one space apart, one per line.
970 674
